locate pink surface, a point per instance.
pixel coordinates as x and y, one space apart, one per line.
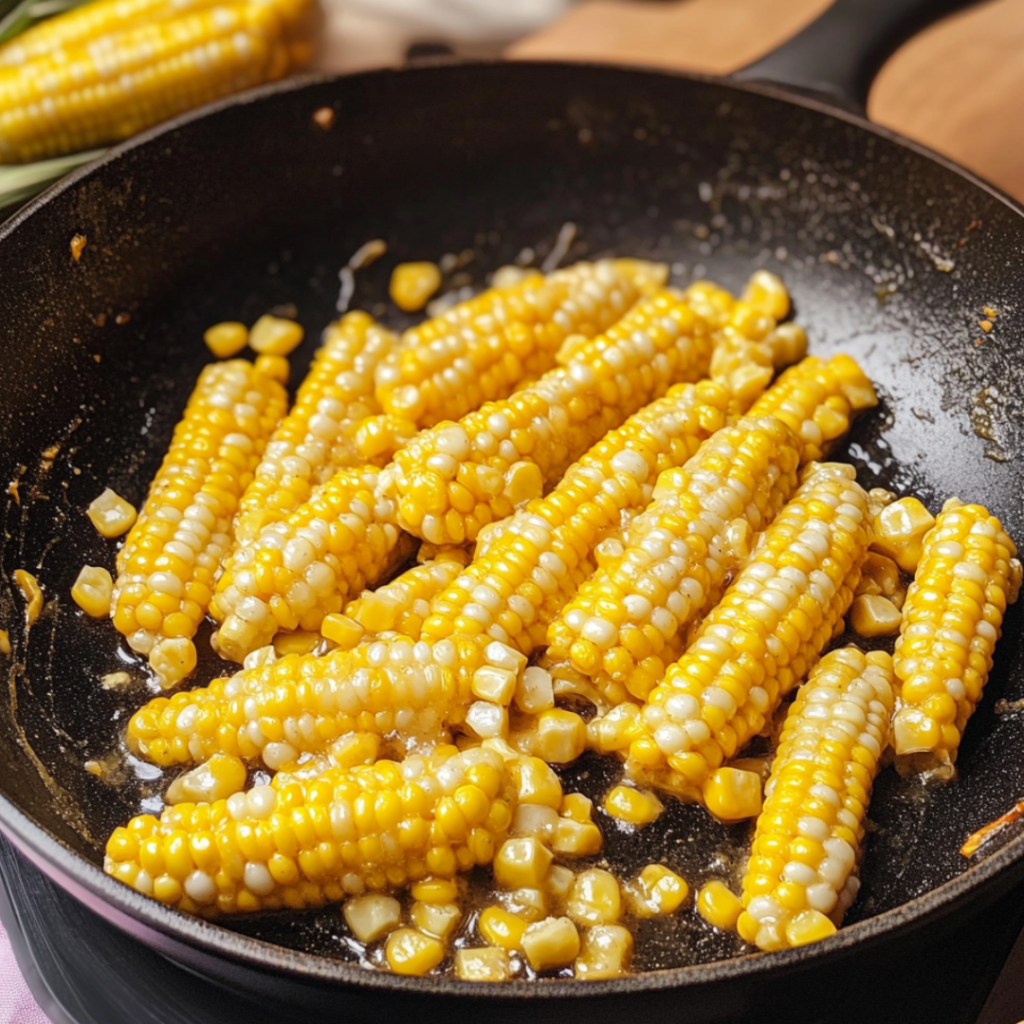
16 1003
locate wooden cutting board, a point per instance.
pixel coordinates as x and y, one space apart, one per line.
958 87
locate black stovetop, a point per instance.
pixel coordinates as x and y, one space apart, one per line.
82 970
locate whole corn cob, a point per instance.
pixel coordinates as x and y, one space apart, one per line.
106 87
755 645
306 566
480 350
801 876
625 624
403 604
516 587
391 687
626 621
167 566
318 436
455 478
952 618
299 843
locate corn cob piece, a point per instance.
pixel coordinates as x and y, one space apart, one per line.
317 437
755 645
167 566
480 350
390 687
102 88
402 605
802 874
626 621
817 401
952 618
304 567
514 590
302 843
455 478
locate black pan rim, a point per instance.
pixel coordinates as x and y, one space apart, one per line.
65 866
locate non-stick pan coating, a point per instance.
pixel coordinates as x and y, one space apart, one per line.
889 254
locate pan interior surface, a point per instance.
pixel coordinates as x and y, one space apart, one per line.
889 255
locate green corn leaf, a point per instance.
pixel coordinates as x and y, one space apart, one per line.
19 183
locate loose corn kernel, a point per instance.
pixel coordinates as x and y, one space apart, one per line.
342 630
873 615
31 592
560 736
216 779
93 590
731 794
534 691
437 919
483 963
111 514
300 641
656 891
559 881
411 952
766 292
5 643
633 806
551 943
576 806
412 284
881 575
536 782
371 917
529 904
172 659
275 367
500 928
575 839
594 898
226 339
606 952
522 863
435 890
809 926
900 529
275 336
534 820
719 906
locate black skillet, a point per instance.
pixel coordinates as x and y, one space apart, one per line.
891 253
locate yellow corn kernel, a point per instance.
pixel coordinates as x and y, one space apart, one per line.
92 591
342 630
371 917
594 898
766 292
551 943
301 641
536 782
435 890
275 336
529 904
577 807
411 952
656 891
226 339
437 919
633 806
560 736
719 906
275 367
809 926
500 928
494 684
731 794
881 575
575 839
412 284
605 953
172 659
5 643
111 514
900 529
483 963
534 691
216 779
522 863
873 615
31 592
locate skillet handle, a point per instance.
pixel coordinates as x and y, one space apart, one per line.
836 57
